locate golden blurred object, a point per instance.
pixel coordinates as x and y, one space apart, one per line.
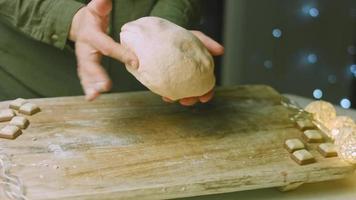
322 111
341 129
345 143
338 122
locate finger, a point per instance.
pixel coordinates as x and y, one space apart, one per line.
206 97
100 7
167 100
93 77
90 94
94 81
108 47
188 101
213 47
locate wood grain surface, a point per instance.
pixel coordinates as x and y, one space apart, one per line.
134 146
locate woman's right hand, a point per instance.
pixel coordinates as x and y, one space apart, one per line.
88 31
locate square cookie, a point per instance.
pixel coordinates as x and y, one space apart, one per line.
305 124
17 103
313 136
20 122
10 132
327 150
29 109
6 115
303 157
293 144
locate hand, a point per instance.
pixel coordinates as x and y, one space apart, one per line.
216 50
88 31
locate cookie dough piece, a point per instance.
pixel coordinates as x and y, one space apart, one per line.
327 150
17 103
10 132
29 109
293 145
174 63
305 124
20 122
302 157
313 136
6 115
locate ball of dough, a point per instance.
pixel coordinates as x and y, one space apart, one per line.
173 62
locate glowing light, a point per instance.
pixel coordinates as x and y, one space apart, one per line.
353 68
332 79
268 64
313 12
351 50
277 33
317 94
312 58
345 103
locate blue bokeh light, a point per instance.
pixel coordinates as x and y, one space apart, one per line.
313 12
345 103
353 68
312 58
317 93
268 64
277 33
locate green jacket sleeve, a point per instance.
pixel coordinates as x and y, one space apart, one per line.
184 13
44 20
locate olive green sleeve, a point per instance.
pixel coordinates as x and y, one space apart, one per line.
44 20
184 13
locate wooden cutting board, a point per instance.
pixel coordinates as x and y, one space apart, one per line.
134 146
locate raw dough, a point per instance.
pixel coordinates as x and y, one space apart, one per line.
10 132
313 136
303 157
6 115
173 62
20 122
29 109
293 145
17 103
327 150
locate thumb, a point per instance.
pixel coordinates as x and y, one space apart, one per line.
213 47
100 7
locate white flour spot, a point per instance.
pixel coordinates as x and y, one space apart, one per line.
58 151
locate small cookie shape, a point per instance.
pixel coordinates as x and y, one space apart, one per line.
20 122
313 136
29 109
293 145
17 103
10 132
303 157
327 150
305 124
6 115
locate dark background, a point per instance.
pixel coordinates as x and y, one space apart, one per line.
316 49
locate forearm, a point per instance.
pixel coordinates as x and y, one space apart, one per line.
184 13
44 20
